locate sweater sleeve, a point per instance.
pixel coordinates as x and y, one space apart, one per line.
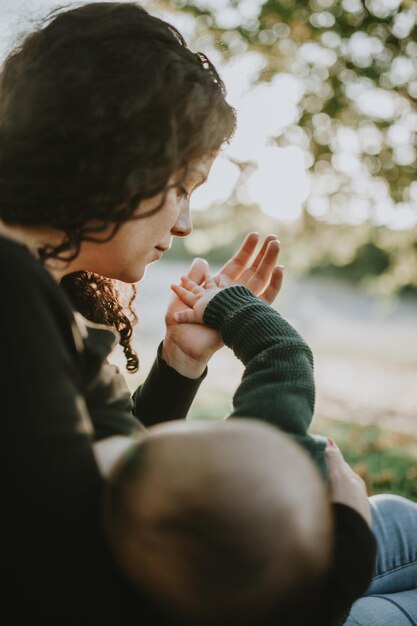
110 405
353 563
165 395
278 383
105 390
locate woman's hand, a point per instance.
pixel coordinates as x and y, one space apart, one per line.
188 347
345 486
261 276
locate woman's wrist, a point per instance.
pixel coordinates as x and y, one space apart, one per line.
185 364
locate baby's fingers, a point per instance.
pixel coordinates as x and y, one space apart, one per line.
188 297
191 285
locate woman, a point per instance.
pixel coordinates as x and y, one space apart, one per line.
108 122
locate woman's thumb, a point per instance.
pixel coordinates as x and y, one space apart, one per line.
185 317
199 267
334 456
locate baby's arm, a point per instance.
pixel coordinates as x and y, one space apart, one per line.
278 383
180 366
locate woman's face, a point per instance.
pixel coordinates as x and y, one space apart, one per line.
140 242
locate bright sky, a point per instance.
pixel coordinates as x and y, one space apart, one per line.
280 182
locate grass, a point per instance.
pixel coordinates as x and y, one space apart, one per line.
386 461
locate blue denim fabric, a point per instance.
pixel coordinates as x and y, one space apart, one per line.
391 599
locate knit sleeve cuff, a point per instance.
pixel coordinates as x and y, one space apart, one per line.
249 326
225 304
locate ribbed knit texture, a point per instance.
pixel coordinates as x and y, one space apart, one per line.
278 383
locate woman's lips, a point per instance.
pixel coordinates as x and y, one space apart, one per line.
160 251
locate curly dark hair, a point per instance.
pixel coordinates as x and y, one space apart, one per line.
98 108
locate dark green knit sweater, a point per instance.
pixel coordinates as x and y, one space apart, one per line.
278 383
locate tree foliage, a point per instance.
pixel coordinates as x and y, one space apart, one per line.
357 63
348 54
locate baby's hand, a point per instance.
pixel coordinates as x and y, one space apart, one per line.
196 297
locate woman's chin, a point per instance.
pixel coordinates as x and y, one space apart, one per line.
140 275
131 276
128 274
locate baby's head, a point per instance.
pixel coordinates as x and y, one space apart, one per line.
220 522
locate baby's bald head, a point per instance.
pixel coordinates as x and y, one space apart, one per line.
218 520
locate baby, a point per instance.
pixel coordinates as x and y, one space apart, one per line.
230 522
219 521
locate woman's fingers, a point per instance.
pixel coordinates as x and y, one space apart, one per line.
274 286
187 316
258 278
209 282
334 455
263 250
345 486
198 270
236 265
259 273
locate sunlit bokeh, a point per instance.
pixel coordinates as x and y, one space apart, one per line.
269 110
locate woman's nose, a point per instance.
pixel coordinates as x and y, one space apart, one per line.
183 226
